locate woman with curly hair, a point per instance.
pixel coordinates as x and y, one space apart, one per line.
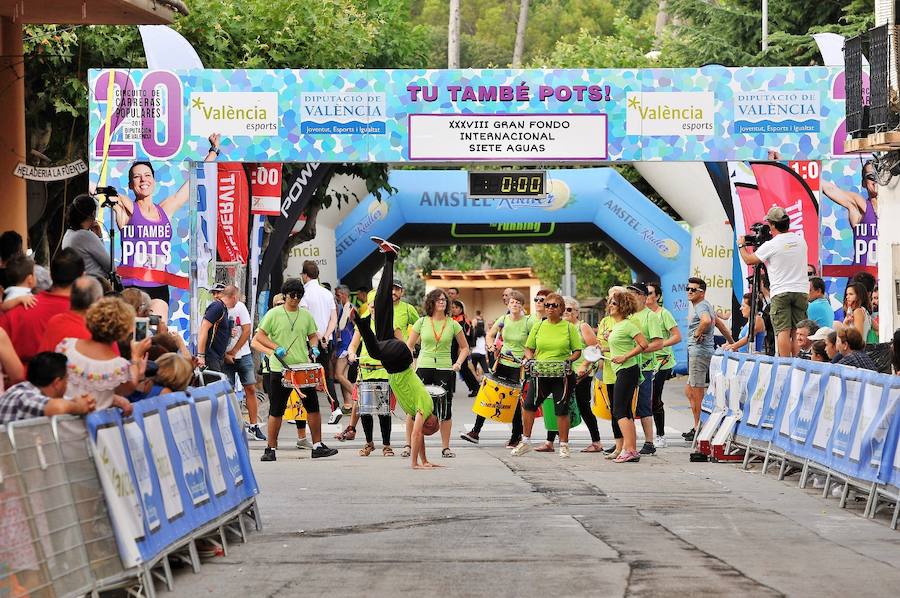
94 366
436 331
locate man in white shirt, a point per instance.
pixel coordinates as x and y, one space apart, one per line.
785 259
320 303
239 358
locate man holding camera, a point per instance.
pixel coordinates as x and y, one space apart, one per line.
784 256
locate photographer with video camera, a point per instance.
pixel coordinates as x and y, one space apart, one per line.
784 256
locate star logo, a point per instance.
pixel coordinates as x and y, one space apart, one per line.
633 102
197 103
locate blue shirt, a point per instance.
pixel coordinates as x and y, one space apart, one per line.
705 345
820 312
220 331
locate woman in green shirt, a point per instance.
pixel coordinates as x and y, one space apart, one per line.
584 382
436 331
550 342
626 342
512 328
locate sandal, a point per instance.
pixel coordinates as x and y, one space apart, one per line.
594 447
366 450
387 451
349 433
613 455
406 451
447 453
547 447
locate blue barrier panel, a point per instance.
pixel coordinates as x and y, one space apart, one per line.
717 364
758 388
890 469
879 401
846 416
217 434
147 485
775 395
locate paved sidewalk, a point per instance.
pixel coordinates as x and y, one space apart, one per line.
489 524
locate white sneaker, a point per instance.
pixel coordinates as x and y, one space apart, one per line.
660 442
564 452
521 449
336 416
304 444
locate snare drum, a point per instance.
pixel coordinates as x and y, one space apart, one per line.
497 399
441 400
304 375
374 397
550 369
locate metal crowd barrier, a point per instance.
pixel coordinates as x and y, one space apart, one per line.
61 521
838 421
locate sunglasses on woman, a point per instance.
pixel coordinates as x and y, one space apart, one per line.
551 305
538 299
293 294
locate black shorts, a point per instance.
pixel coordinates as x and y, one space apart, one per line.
539 389
445 378
279 395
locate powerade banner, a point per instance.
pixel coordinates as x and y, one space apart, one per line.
177 464
433 204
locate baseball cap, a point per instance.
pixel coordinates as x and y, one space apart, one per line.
821 334
776 214
639 287
398 284
217 288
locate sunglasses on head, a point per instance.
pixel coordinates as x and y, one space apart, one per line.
551 305
693 289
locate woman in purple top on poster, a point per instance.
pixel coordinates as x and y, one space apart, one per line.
146 230
862 214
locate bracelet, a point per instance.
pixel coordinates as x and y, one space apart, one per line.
214 150
201 354
741 246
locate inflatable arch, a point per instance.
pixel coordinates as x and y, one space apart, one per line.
432 208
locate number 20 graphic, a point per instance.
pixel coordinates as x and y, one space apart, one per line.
123 102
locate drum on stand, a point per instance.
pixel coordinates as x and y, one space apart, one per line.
374 397
497 398
441 399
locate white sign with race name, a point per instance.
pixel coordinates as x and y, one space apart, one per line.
510 137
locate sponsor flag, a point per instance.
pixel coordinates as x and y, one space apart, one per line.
778 185
299 194
231 240
265 180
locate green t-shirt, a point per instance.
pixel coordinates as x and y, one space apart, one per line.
665 357
290 330
554 342
577 363
411 394
369 367
621 342
405 315
436 340
651 327
514 334
603 330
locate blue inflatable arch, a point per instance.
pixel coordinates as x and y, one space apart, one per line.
584 205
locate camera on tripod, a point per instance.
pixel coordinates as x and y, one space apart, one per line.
761 234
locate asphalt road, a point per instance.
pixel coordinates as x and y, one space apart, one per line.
488 524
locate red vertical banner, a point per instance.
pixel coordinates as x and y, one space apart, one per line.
265 179
779 185
234 201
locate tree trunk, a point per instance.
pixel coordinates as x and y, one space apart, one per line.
662 19
453 36
520 34
307 233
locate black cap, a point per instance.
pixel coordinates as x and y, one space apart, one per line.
398 284
639 287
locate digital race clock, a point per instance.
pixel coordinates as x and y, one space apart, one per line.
519 183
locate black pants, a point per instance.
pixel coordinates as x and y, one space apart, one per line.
621 395
393 354
583 399
659 413
368 424
512 374
480 359
468 377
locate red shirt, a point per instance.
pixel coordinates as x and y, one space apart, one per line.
26 327
65 325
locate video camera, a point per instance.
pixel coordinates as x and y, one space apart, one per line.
108 193
761 234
